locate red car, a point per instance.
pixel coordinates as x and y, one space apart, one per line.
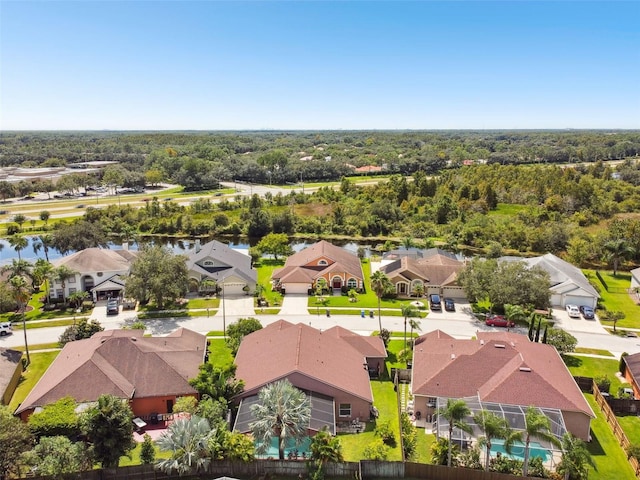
499 321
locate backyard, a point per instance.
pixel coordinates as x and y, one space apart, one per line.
616 298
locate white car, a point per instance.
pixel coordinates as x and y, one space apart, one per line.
5 329
573 311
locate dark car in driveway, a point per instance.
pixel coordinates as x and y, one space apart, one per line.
587 312
498 321
112 307
449 305
434 302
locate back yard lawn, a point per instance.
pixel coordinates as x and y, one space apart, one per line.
617 298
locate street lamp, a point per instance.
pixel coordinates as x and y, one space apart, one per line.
224 317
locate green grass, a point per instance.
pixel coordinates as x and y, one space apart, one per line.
195 303
50 323
507 209
611 461
265 268
594 351
384 398
423 446
219 353
39 364
617 298
594 367
631 426
135 456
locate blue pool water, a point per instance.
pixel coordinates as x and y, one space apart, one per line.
517 450
272 449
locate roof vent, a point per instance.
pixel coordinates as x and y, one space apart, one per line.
481 342
453 356
134 339
525 369
103 340
500 345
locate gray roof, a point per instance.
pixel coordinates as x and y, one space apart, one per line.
229 262
416 253
562 274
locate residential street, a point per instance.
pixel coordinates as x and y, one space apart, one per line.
459 324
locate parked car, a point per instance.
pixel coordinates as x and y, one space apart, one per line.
573 311
112 307
498 321
587 312
449 305
434 302
5 329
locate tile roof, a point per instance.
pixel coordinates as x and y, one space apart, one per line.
334 357
122 363
297 269
98 260
436 269
501 367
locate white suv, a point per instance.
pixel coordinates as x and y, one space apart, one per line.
5 329
573 311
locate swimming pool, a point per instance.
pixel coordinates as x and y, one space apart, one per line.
517 450
302 449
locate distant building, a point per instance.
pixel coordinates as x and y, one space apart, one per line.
10 372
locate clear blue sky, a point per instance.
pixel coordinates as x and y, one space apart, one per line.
208 65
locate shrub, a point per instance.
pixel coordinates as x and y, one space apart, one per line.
409 436
376 450
603 382
385 432
385 335
147 452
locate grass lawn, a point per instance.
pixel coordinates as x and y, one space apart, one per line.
594 367
203 303
265 268
507 209
39 364
135 456
219 353
631 426
617 298
611 461
594 351
384 398
423 447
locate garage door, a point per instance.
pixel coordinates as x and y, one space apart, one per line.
453 292
234 288
576 300
297 288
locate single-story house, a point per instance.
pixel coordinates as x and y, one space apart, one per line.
568 283
503 369
332 367
302 271
149 372
632 372
434 270
10 371
228 268
97 270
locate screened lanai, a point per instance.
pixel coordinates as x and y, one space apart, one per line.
515 415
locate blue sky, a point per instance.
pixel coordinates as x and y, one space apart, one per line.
126 65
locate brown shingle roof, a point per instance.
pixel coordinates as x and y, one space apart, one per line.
122 363
296 268
500 367
437 269
282 348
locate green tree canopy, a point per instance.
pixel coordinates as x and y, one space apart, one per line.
276 244
157 274
57 418
15 438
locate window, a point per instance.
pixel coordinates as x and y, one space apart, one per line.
344 410
72 290
431 402
72 279
352 283
99 274
60 293
208 263
322 262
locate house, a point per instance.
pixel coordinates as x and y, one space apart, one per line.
632 372
502 369
433 270
10 372
98 271
228 268
333 367
568 283
302 271
149 372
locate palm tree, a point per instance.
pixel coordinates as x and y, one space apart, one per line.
415 325
575 458
188 441
283 411
43 242
537 425
408 311
493 427
62 274
21 292
325 447
455 411
514 312
19 268
616 251
41 272
18 243
380 284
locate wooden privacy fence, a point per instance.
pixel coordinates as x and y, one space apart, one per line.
611 419
261 469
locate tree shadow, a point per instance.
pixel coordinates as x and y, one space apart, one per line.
571 361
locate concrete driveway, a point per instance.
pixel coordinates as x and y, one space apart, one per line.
294 304
579 324
238 305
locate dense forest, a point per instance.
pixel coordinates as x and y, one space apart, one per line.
513 197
